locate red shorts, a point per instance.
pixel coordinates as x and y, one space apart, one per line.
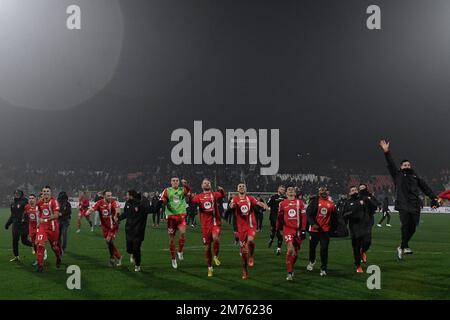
244 234
32 233
208 232
83 213
46 233
290 235
110 233
175 222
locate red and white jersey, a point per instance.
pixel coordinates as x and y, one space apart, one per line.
107 211
208 206
83 204
325 209
46 210
32 214
243 211
445 195
292 214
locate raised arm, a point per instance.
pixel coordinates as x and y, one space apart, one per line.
392 167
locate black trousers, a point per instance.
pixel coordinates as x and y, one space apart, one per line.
386 215
156 216
324 239
134 248
359 245
409 221
273 230
20 232
63 228
259 220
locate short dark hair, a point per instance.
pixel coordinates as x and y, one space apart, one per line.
405 160
32 195
290 185
106 190
47 187
133 193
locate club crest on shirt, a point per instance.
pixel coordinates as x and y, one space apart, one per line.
207 205
292 213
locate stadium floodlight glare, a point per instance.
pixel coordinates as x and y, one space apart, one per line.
47 65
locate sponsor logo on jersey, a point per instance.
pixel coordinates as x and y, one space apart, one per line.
292 213
207 205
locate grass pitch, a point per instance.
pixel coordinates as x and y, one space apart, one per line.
423 275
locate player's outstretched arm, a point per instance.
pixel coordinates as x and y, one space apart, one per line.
392 167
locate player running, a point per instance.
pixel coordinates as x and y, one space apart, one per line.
109 210
83 207
210 220
274 203
31 212
246 225
319 211
292 219
48 228
174 199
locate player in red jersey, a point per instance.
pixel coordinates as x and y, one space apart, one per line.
444 195
319 211
210 220
109 210
83 211
48 228
292 219
31 211
246 225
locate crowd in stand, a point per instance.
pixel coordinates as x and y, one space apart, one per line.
156 177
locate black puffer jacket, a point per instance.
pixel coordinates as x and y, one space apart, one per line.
17 211
408 186
358 212
136 211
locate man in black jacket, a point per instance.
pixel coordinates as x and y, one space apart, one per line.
358 211
135 211
65 214
274 203
408 186
19 223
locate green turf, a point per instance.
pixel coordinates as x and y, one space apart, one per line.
424 275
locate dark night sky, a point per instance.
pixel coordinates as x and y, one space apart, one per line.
310 68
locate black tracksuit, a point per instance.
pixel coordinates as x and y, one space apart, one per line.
65 214
19 224
358 211
136 212
274 203
408 186
385 211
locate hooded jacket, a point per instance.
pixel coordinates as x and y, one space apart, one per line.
135 212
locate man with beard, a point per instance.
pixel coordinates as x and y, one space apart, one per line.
408 186
274 203
135 212
19 223
319 211
358 211
210 219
